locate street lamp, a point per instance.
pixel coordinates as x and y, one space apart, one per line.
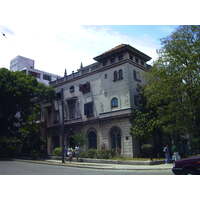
60 96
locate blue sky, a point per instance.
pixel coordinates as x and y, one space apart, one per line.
156 31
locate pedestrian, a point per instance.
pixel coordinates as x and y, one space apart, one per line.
175 155
70 154
77 151
167 154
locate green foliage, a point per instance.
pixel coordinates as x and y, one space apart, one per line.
57 151
147 150
83 154
174 82
105 154
35 154
145 122
172 93
99 154
20 99
9 147
92 153
79 139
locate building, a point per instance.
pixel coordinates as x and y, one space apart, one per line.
26 65
98 102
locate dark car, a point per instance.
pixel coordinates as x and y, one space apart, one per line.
187 166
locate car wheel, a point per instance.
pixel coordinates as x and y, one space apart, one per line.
178 173
189 171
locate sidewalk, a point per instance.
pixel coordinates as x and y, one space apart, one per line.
101 166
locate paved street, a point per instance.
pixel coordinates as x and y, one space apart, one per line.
24 168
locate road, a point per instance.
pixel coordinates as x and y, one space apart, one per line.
24 168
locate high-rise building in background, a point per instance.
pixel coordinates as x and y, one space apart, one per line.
26 65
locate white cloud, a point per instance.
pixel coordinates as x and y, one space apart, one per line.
42 32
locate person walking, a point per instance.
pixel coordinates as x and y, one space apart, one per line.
70 154
175 155
77 151
167 154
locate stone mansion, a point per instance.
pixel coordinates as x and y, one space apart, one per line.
98 102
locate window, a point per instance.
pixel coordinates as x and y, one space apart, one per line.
56 117
112 60
136 60
114 102
104 62
131 56
142 62
120 57
88 109
84 88
120 74
105 76
35 74
47 77
115 76
72 108
136 75
71 89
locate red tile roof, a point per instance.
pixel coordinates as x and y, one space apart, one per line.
122 46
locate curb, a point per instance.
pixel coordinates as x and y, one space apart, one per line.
107 161
86 166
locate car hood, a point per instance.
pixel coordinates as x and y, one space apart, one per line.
187 160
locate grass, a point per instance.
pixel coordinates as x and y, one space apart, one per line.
138 159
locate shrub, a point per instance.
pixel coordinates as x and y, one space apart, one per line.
83 154
57 151
35 154
101 154
104 154
92 153
147 150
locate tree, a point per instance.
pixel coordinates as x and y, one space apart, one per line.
173 89
79 139
20 98
146 127
174 83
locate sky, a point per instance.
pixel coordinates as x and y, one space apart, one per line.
66 47
56 37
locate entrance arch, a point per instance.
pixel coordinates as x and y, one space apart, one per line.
92 139
115 139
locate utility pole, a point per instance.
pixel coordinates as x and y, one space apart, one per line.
62 125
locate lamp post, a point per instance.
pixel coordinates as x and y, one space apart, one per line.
62 125
60 96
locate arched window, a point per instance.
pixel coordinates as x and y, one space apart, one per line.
115 76
120 74
92 140
71 89
114 102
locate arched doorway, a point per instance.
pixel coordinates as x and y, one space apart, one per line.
115 139
92 140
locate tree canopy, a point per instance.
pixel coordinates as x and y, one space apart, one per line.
20 98
173 86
